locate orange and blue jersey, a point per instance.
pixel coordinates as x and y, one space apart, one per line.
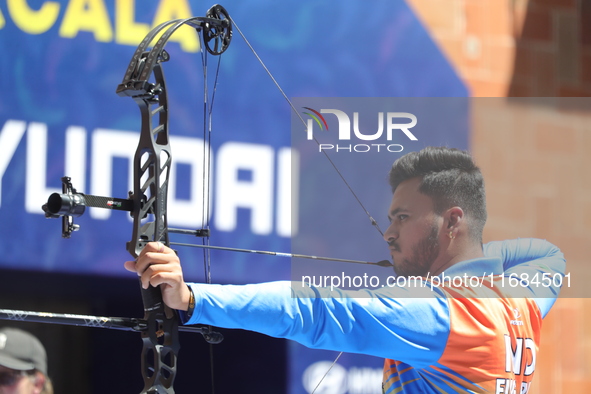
437 336
491 347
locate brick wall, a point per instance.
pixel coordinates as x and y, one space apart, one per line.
535 156
514 47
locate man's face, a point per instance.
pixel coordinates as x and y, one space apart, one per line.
17 382
413 234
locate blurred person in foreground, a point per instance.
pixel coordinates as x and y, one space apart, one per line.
459 336
23 363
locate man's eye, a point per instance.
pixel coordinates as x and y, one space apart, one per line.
402 217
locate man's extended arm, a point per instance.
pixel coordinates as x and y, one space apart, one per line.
394 325
388 322
408 325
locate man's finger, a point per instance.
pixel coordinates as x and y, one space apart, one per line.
156 247
161 278
130 266
154 259
158 274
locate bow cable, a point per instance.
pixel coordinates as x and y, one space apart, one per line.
205 210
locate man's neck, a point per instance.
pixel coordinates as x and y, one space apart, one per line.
456 254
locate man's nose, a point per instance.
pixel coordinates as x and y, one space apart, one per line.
391 233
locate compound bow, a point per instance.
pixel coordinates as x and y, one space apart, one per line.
148 201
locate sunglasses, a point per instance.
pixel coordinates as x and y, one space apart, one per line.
8 378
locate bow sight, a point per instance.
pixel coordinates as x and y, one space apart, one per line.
70 204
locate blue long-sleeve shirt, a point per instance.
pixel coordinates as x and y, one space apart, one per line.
413 325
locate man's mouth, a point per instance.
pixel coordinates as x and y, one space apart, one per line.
393 247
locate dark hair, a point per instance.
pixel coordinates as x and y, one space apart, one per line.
450 177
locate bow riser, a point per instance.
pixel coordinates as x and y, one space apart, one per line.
151 166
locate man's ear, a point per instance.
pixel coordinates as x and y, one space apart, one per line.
39 382
453 218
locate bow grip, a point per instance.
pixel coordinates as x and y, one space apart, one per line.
152 298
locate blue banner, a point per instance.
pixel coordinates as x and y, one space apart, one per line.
321 372
59 115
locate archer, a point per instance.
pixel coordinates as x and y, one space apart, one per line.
431 337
